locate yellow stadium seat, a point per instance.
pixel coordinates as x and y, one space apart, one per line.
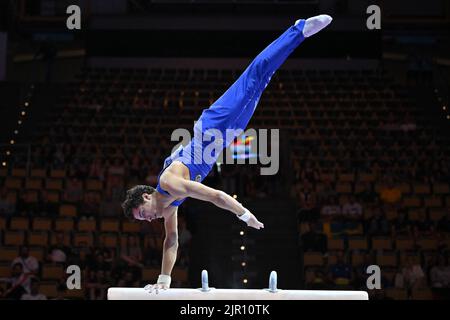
37 252
344 187
94 185
180 274
19 172
313 259
87 225
404 244
52 272
38 173
433 202
413 256
42 224
33 184
335 244
66 238
358 243
422 189
14 238
412 202
8 253
2 223
67 210
53 184
387 259
38 238
427 244
130 227
53 197
19 223
381 243
64 224
83 239
57 173
396 293
13 183
109 225
441 188
421 294
109 240
48 288
150 274
5 270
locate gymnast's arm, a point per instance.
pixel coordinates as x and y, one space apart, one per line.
181 188
170 246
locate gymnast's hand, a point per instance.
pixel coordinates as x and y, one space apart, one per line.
156 287
253 222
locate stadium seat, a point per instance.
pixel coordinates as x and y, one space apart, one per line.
57 173
87 225
357 243
64 224
68 210
421 294
19 223
13 183
335 244
8 254
38 173
396 294
37 238
53 184
381 243
19 172
387 259
37 252
150 274
109 240
109 225
33 184
42 224
14 238
48 288
83 239
5 270
52 272
404 243
130 227
313 259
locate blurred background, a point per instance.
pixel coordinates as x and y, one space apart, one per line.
364 144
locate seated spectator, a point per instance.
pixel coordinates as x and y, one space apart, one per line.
352 209
423 227
390 193
410 276
132 252
16 283
331 209
402 225
7 206
440 274
74 190
30 265
378 225
341 272
59 253
90 205
34 291
443 225
313 240
309 210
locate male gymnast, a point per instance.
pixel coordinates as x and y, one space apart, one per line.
186 167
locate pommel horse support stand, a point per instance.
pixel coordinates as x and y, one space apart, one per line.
207 293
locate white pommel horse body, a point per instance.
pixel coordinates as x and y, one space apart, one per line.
207 293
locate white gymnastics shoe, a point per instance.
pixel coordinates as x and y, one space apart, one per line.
315 24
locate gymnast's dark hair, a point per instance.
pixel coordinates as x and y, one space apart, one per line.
134 199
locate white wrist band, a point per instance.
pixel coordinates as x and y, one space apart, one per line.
246 216
164 279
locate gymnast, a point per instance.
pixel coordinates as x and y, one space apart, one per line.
187 166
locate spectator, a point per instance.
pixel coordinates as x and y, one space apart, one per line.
34 291
59 253
378 225
313 240
7 206
401 225
308 203
331 210
440 274
16 283
74 190
411 276
423 227
341 272
352 209
29 263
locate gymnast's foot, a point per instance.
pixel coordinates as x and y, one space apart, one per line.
315 24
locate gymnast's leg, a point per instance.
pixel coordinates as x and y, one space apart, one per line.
236 106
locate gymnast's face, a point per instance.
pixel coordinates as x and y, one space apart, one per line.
146 211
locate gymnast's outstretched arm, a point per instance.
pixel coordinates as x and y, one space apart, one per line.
182 188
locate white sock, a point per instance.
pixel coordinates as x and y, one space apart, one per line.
315 24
